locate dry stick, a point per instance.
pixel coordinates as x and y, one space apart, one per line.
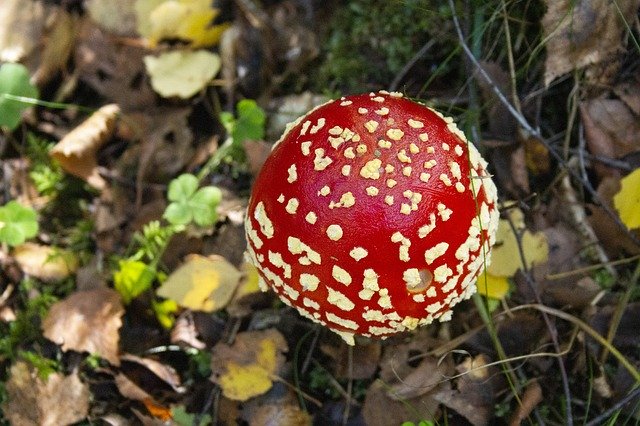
602 418
553 331
617 314
525 125
523 122
405 69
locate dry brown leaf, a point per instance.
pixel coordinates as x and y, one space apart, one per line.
248 367
379 409
58 400
21 26
129 389
614 239
184 332
611 129
76 152
629 92
60 42
114 70
116 16
279 414
164 372
366 358
531 398
257 153
87 321
45 263
583 32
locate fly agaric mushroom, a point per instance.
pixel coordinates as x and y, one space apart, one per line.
372 215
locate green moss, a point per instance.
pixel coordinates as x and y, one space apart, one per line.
368 42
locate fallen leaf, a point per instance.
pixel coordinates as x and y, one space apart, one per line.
202 283
113 70
187 20
493 286
60 400
22 25
61 36
44 262
583 32
279 414
77 151
530 399
181 73
627 200
614 239
505 258
610 129
379 409
87 321
164 372
116 16
248 367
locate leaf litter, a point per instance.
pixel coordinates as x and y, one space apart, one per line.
171 315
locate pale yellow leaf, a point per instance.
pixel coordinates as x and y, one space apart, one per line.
45 263
492 286
116 16
627 200
202 283
181 73
505 255
188 20
248 367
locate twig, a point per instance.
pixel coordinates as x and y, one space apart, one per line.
405 69
601 419
522 121
553 331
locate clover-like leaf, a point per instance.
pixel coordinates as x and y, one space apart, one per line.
188 203
14 81
17 223
182 187
203 205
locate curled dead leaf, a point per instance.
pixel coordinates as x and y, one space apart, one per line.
76 152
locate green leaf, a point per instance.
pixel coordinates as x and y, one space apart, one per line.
182 187
14 81
204 203
132 279
190 203
178 213
250 122
17 223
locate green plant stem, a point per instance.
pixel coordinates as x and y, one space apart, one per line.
620 308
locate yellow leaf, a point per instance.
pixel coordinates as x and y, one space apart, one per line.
249 366
44 262
505 255
492 286
627 200
181 73
188 20
202 283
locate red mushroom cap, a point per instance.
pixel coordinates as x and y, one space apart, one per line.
372 215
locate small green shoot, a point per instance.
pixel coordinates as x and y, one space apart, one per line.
132 278
188 203
248 124
182 418
44 366
14 82
17 223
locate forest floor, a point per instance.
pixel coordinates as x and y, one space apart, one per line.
131 133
